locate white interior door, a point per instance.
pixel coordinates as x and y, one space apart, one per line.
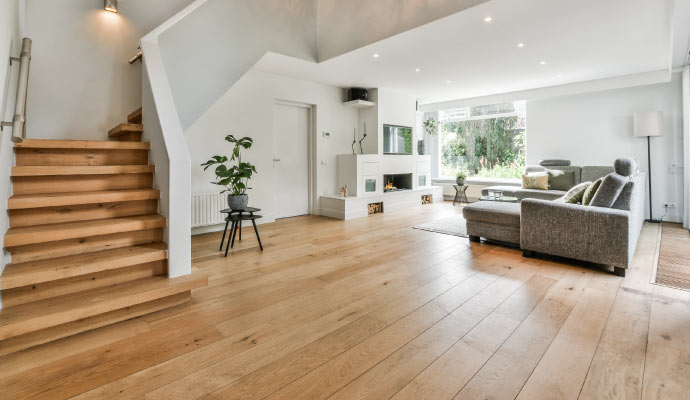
290 160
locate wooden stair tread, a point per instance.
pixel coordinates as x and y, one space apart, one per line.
126 128
42 314
33 272
20 201
135 117
69 230
81 144
46 170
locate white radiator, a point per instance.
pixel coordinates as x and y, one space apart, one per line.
206 209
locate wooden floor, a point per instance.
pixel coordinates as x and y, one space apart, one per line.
370 308
673 268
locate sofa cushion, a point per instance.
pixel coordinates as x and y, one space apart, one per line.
592 173
611 187
575 194
624 199
577 172
554 162
591 191
493 212
625 166
561 180
535 181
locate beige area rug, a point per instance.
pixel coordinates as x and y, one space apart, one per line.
451 225
673 267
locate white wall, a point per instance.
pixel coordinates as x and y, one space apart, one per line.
246 110
396 109
80 83
10 45
596 128
390 108
207 51
370 116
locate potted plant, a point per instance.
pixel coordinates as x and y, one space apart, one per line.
460 177
234 176
430 128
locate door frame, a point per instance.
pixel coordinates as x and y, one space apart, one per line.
311 147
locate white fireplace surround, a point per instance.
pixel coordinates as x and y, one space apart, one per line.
363 173
364 176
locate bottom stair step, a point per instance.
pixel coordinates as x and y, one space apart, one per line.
33 272
38 315
18 343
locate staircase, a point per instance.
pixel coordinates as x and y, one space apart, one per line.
85 238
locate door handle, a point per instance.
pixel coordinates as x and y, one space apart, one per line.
276 159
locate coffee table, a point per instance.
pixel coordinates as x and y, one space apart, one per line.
504 199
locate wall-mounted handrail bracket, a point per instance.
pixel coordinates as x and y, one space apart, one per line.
135 57
14 59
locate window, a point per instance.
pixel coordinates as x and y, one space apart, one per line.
484 141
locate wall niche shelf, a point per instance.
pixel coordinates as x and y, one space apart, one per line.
359 103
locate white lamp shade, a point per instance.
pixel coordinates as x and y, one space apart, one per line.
649 123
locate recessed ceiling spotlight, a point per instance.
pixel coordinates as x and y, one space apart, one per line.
376 55
520 45
560 76
488 19
448 81
542 62
417 70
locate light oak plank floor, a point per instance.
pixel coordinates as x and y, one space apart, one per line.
371 308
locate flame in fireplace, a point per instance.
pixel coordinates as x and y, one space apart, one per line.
389 186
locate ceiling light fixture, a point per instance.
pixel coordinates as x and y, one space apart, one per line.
560 76
520 45
417 70
376 55
110 5
488 19
542 62
448 81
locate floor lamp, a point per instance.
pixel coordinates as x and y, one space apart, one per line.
648 124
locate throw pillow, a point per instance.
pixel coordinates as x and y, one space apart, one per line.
561 180
535 181
575 194
609 190
591 191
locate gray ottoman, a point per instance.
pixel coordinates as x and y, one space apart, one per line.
493 220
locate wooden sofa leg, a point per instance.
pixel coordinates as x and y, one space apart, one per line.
475 239
527 253
618 271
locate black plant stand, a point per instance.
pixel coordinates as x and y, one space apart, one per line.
237 219
249 211
460 194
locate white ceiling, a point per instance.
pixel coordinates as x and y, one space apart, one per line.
579 41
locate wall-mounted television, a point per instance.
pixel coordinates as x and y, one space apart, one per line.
397 139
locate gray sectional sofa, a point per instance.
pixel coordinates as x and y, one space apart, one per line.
600 234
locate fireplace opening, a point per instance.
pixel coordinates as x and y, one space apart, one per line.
397 182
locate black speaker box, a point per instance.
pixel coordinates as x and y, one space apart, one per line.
357 94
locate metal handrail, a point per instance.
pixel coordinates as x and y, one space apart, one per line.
19 120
